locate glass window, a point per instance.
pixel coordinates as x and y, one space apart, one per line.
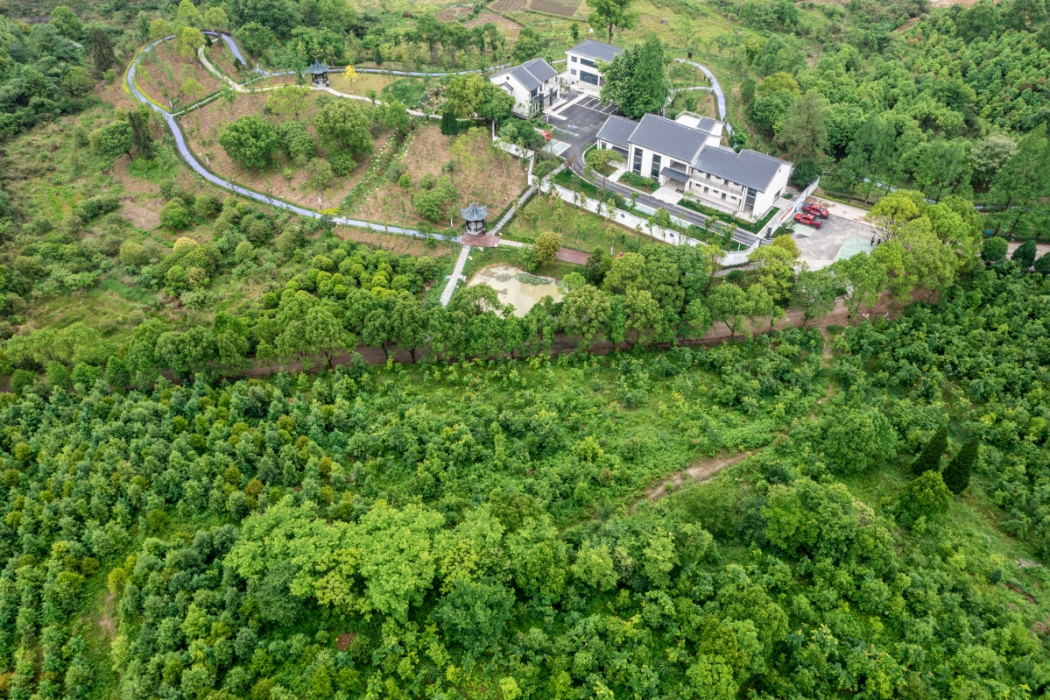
655 170
574 71
637 161
585 62
588 77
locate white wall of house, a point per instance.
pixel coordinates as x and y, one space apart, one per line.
646 169
522 97
575 68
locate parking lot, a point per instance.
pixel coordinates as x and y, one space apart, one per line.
579 122
838 237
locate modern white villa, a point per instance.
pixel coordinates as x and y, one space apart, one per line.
533 84
581 64
686 156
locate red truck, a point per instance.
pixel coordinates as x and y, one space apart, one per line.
815 210
808 220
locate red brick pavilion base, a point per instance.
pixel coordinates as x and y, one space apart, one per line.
485 241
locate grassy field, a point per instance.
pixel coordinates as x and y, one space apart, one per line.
579 228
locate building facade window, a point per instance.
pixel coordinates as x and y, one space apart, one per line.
589 64
574 71
637 161
574 61
654 172
588 77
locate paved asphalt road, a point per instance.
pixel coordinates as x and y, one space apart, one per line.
821 247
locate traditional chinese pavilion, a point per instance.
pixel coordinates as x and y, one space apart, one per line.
475 218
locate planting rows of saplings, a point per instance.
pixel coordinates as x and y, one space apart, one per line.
565 8
509 5
437 175
508 27
173 80
272 143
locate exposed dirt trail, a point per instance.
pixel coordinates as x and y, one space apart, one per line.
700 471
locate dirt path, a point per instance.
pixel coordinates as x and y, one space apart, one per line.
700 471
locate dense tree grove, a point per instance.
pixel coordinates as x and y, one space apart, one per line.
947 102
458 526
827 511
44 71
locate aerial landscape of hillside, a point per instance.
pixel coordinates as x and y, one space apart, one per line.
550 349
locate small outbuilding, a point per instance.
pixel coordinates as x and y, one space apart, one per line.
475 218
318 73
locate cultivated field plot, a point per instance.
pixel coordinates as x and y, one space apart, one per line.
163 76
509 5
564 8
509 27
491 177
202 128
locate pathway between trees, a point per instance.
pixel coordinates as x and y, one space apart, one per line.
699 471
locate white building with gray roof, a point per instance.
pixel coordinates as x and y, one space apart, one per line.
533 85
581 63
687 153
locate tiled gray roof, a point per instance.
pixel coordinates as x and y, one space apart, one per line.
662 135
675 174
747 168
596 49
707 124
530 74
617 130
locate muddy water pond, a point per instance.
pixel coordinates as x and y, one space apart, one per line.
515 286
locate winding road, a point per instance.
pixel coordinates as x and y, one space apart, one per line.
191 160
715 88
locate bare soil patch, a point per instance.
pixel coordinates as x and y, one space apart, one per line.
343 641
203 126
162 73
114 94
105 620
509 27
699 471
452 14
483 175
143 215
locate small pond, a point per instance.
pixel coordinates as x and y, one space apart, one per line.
515 286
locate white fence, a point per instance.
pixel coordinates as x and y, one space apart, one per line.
789 212
639 224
